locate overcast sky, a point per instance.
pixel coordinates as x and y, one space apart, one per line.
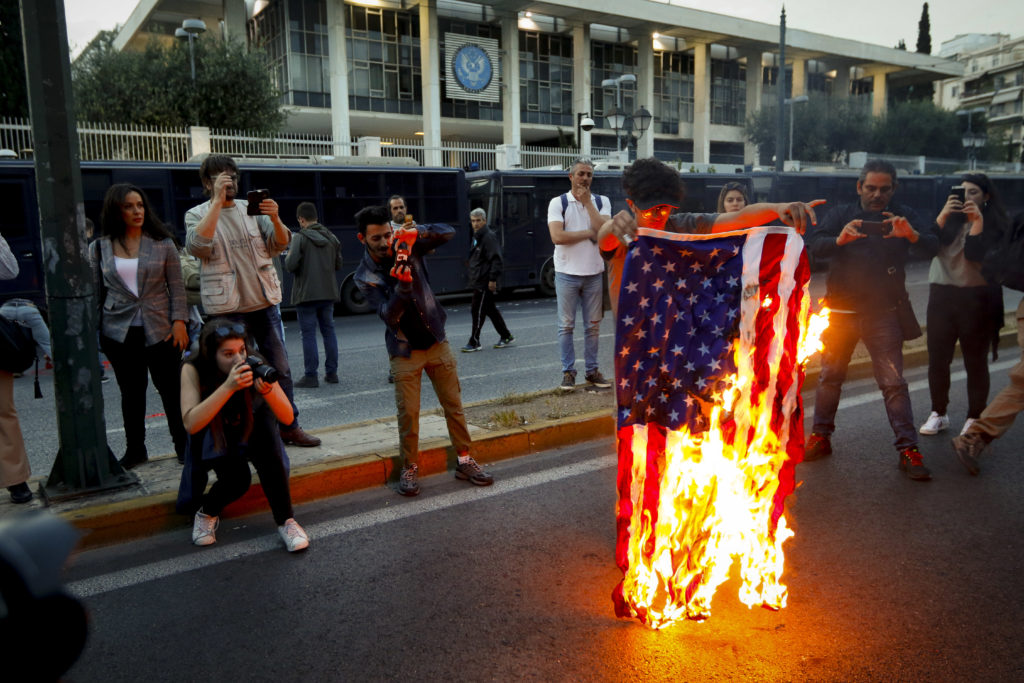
883 22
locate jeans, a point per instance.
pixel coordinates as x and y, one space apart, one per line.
884 340
25 312
439 364
311 315
264 326
585 292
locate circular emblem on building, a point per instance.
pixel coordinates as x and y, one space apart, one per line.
472 67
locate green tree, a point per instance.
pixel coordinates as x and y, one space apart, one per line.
917 127
824 129
13 92
232 89
924 32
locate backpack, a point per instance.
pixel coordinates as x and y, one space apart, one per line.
1004 262
17 348
565 204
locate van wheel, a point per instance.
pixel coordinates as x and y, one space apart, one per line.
352 300
546 286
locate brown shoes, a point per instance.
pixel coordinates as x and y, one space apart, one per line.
297 437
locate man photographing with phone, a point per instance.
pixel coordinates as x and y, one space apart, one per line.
868 243
237 275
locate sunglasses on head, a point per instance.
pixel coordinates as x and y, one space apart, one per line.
228 330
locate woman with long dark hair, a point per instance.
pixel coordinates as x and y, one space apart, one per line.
732 198
233 416
142 312
962 305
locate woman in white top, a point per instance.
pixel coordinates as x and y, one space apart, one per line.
142 313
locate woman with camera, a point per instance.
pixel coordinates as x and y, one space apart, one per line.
962 305
232 406
143 313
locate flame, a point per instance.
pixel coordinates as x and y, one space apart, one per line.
716 503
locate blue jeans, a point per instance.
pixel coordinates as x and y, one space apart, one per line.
884 341
25 312
264 327
311 315
584 292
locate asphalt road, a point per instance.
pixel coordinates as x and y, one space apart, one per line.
363 393
888 579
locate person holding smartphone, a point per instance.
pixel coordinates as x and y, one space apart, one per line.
962 306
867 294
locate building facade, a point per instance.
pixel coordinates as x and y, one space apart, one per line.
514 72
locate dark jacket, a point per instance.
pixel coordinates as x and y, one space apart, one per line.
484 259
389 296
867 275
313 256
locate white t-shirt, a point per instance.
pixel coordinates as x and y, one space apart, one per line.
128 270
582 258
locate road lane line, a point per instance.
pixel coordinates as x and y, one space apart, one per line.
200 559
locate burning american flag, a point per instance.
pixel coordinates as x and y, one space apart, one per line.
709 366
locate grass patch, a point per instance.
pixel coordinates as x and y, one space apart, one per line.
506 419
512 399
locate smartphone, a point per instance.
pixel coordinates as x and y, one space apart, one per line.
960 192
875 228
254 197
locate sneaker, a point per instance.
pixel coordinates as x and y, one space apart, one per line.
596 379
297 437
472 472
967 425
307 382
408 482
568 382
134 459
967 448
935 423
470 348
507 341
391 378
20 493
204 529
912 463
331 378
293 535
818 446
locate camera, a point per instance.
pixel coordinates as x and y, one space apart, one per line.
265 372
254 197
587 124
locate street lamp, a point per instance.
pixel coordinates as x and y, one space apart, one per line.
618 117
190 28
584 124
642 120
970 139
789 102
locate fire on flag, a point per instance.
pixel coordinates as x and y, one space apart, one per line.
710 341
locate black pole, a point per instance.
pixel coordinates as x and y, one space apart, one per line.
84 462
780 83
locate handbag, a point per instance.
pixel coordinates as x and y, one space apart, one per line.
17 348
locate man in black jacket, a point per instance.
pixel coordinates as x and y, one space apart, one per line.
484 271
868 243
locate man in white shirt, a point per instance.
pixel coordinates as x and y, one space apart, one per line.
573 221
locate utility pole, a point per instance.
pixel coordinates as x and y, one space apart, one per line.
780 84
84 462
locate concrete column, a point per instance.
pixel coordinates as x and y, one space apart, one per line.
799 77
199 140
235 16
430 61
879 95
701 104
645 90
754 90
841 83
581 86
341 132
369 146
511 102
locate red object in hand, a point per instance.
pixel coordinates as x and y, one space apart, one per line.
401 244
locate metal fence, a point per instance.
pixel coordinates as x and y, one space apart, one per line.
106 141
291 146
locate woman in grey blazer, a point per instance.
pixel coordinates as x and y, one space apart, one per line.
142 313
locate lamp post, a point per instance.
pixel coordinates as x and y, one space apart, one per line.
190 28
618 117
789 102
642 121
970 139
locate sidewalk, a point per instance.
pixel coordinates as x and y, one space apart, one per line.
358 456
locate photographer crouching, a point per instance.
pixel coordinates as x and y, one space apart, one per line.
232 406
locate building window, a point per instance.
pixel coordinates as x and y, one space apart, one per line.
611 60
383 48
673 91
294 34
545 78
728 92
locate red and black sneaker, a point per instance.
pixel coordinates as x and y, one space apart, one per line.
912 464
818 446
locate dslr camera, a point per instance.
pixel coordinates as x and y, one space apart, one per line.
265 372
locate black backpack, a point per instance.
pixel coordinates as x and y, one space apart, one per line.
17 349
1004 262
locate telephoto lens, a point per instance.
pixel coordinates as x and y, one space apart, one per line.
265 372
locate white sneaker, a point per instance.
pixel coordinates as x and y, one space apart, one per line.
204 528
293 535
967 425
935 423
